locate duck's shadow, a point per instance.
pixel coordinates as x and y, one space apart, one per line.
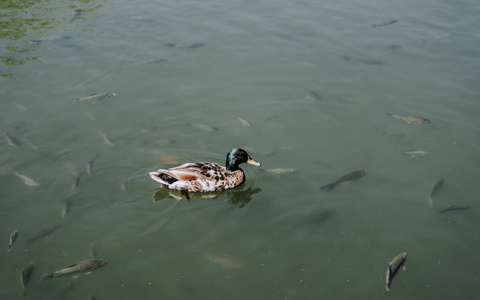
242 195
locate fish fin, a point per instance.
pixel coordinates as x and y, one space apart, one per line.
329 187
387 290
46 276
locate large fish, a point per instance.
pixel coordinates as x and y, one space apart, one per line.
86 266
456 207
393 268
350 177
27 273
410 119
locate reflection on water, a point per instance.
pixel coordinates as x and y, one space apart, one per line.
240 195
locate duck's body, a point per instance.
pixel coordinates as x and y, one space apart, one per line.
205 176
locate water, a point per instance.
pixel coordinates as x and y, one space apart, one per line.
278 236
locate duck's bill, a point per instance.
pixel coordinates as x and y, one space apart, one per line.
252 162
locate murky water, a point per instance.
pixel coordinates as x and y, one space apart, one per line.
314 80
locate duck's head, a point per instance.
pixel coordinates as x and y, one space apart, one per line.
236 157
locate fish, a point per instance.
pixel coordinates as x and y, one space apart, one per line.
410 119
148 61
184 45
106 139
393 267
66 206
44 232
363 61
416 153
435 188
28 181
224 262
86 266
11 140
386 23
456 207
95 97
13 238
312 95
244 122
350 177
25 277
76 15
76 183
203 127
90 164
281 171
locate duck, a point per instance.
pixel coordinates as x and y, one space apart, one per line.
202 177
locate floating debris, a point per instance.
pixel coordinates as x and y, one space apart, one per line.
350 177
393 267
410 119
86 266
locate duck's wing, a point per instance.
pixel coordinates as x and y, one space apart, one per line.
189 172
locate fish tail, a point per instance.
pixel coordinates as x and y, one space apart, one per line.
387 290
46 276
329 187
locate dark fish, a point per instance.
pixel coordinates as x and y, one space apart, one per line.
363 61
193 45
312 95
11 140
86 266
456 207
95 97
76 15
44 232
386 23
350 177
66 206
76 183
90 164
27 273
13 238
393 268
410 119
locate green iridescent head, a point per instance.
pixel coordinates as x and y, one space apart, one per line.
236 157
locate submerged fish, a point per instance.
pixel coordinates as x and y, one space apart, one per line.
44 232
435 188
244 122
393 268
281 171
224 262
11 140
13 238
192 45
410 119
86 266
312 95
350 177
76 183
148 61
95 97
67 204
90 164
25 277
386 23
106 139
416 153
456 207
28 181
53 38
204 127
363 61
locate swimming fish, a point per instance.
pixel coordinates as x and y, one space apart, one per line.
435 188
148 61
204 127
76 183
86 266
90 164
184 45
13 238
27 273
416 153
393 268
244 122
95 97
11 140
28 181
224 262
312 95
350 177
410 119
44 232
281 171
456 207
386 23
106 139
